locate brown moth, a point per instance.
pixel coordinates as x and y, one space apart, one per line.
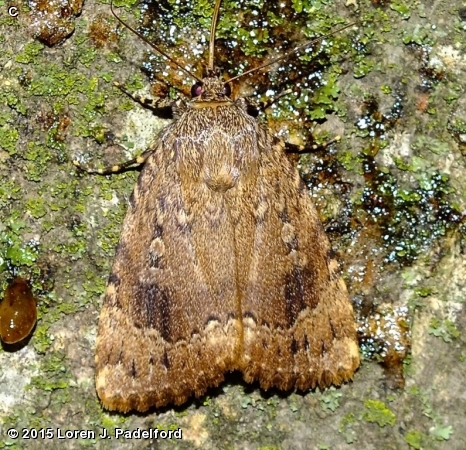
222 265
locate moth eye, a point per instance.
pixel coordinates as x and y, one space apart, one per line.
196 90
227 90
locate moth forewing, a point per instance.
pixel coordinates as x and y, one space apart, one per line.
222 265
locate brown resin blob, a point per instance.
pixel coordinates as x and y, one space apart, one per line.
18 312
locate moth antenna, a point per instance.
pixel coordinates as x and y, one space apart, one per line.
213 26
287 54
140 36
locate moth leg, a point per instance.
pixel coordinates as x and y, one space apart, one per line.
162 107
271 100
138 161
131 164
254 106
152 103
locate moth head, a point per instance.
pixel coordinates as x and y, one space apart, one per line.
209 89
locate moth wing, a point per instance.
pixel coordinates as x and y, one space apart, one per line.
170 323
299 327
213 274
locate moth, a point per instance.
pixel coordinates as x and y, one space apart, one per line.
222 265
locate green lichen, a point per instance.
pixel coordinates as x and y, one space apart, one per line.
42 339
38 157
441 432
346 427
386 89
436 146
126 105
330 399
10 191
363 68
9 136
52 80
47 385
401 8
418 35
424 291
418 440
37 207
323 99
348 160
14 250
107 77
134 83
437 432
94 286
74 250
413 164
111 422
61 308
377 412
54 378
87 54
29 53
445 329
54 363
415 439
15 103
113 57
